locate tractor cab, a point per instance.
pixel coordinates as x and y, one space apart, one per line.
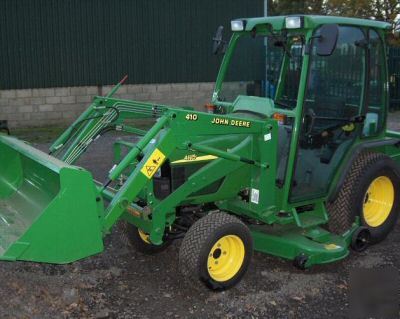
323 77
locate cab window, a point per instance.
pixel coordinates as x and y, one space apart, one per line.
376 100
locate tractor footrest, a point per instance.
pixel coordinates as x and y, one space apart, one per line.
315 216
310 220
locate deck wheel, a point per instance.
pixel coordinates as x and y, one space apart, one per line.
361 239
300 262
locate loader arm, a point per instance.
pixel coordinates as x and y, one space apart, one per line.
45 203
175 130
103 115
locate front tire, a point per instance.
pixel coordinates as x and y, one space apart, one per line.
139 240
216 251
370 191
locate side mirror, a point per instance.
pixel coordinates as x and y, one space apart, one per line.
396 29
218 42
327 39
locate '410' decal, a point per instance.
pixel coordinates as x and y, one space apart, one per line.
192 117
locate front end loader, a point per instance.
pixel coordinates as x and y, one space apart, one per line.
293 159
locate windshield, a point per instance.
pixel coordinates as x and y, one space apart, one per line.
255 68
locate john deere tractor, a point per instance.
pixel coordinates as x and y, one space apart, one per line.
292 159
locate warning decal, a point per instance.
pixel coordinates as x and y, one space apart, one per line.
153 163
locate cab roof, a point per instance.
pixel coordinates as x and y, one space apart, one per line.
313 21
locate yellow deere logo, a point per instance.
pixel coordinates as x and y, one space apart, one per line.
153 163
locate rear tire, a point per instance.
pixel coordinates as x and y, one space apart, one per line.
370 191
216 251
137 239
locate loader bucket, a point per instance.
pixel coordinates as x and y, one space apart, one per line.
49 211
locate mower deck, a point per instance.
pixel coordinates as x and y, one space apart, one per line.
313 245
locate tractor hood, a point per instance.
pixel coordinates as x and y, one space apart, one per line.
254 105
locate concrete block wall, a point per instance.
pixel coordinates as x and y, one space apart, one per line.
61 106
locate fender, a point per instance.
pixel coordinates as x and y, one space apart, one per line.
355 152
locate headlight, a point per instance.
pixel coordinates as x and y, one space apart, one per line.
293 22
237 25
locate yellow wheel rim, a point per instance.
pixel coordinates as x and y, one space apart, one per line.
225 258
378 201
144 236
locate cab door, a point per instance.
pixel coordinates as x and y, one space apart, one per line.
377 96
333 99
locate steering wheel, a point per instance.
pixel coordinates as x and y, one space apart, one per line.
312 116
346 124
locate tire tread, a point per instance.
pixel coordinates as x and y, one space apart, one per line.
194 241
340 210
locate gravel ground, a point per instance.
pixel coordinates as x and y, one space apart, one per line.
121 283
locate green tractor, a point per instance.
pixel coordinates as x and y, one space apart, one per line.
292 159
